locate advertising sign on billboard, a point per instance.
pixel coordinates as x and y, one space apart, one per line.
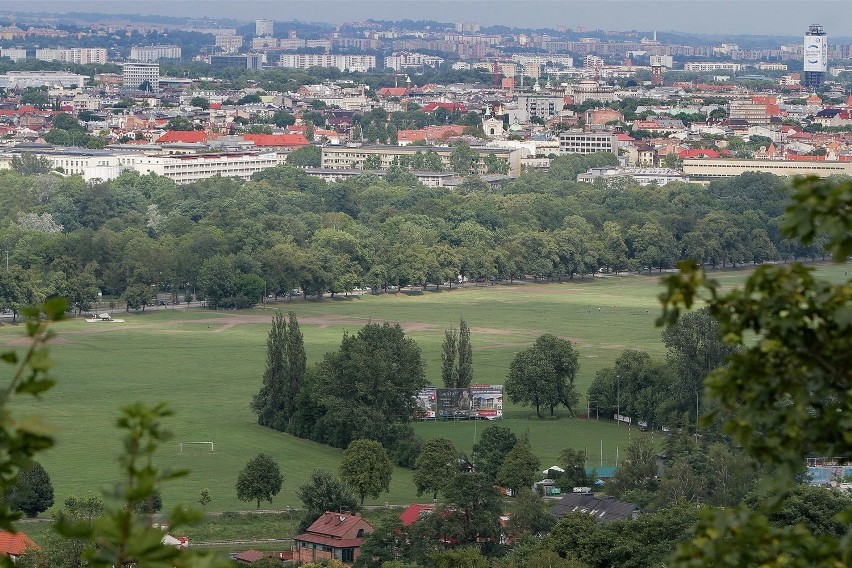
816 53
427 400
487 401
477 401
454 403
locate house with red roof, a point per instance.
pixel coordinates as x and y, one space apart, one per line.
13 545
184 136
392 91
336 536
452 107
414 513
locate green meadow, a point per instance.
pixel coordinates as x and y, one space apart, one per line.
207 365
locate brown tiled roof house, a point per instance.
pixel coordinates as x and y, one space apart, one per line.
333 535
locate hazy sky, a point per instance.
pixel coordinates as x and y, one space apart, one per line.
757 17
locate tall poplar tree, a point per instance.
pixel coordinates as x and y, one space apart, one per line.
297 362
271 404
449 350
465 369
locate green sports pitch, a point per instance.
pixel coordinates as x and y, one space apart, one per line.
207 365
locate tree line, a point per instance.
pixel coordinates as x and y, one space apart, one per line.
230 242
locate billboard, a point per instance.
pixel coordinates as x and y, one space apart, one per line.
454 403
487 401
426 402
476 401
816 53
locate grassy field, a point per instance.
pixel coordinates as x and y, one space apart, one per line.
207 365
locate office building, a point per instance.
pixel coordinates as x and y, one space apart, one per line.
579 142
248 61
263 28
229 42
151 53
139 76
543 107
815 57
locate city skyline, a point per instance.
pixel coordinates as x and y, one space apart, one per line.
723 17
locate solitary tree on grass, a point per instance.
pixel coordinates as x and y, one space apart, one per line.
436 466
324 492
260 479
34 492
366 468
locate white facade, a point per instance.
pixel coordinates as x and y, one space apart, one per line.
150 53
134 74
13 53
263 27
578 142
229 42
816 53
712 66
407 60
359 63
193 167
80 55
643 176
36 79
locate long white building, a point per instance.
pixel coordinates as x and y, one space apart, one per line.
95 165
409 60
358 63
36 79
81 55
150 53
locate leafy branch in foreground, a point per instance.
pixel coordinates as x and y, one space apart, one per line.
23 438
788 387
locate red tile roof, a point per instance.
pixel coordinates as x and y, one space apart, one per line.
392 91
413 513
15 544
452 107
249 556
334 524
277 139
187 136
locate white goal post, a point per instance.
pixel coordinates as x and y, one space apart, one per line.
188 443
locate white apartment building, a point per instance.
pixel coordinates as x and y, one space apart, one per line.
353 158
764 66
13 53
188 168
134 74
543 106
579 142
643 176
36 79
359 63
265 42
712 66
540 60
754 113
263 27
81 55
408 60
151 53
592 61
229 42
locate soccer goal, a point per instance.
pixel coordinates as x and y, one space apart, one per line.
194 444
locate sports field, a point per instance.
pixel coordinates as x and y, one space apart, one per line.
207 365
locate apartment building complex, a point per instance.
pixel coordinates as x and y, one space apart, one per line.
358 63
13 53
409 60
151 53
80 55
